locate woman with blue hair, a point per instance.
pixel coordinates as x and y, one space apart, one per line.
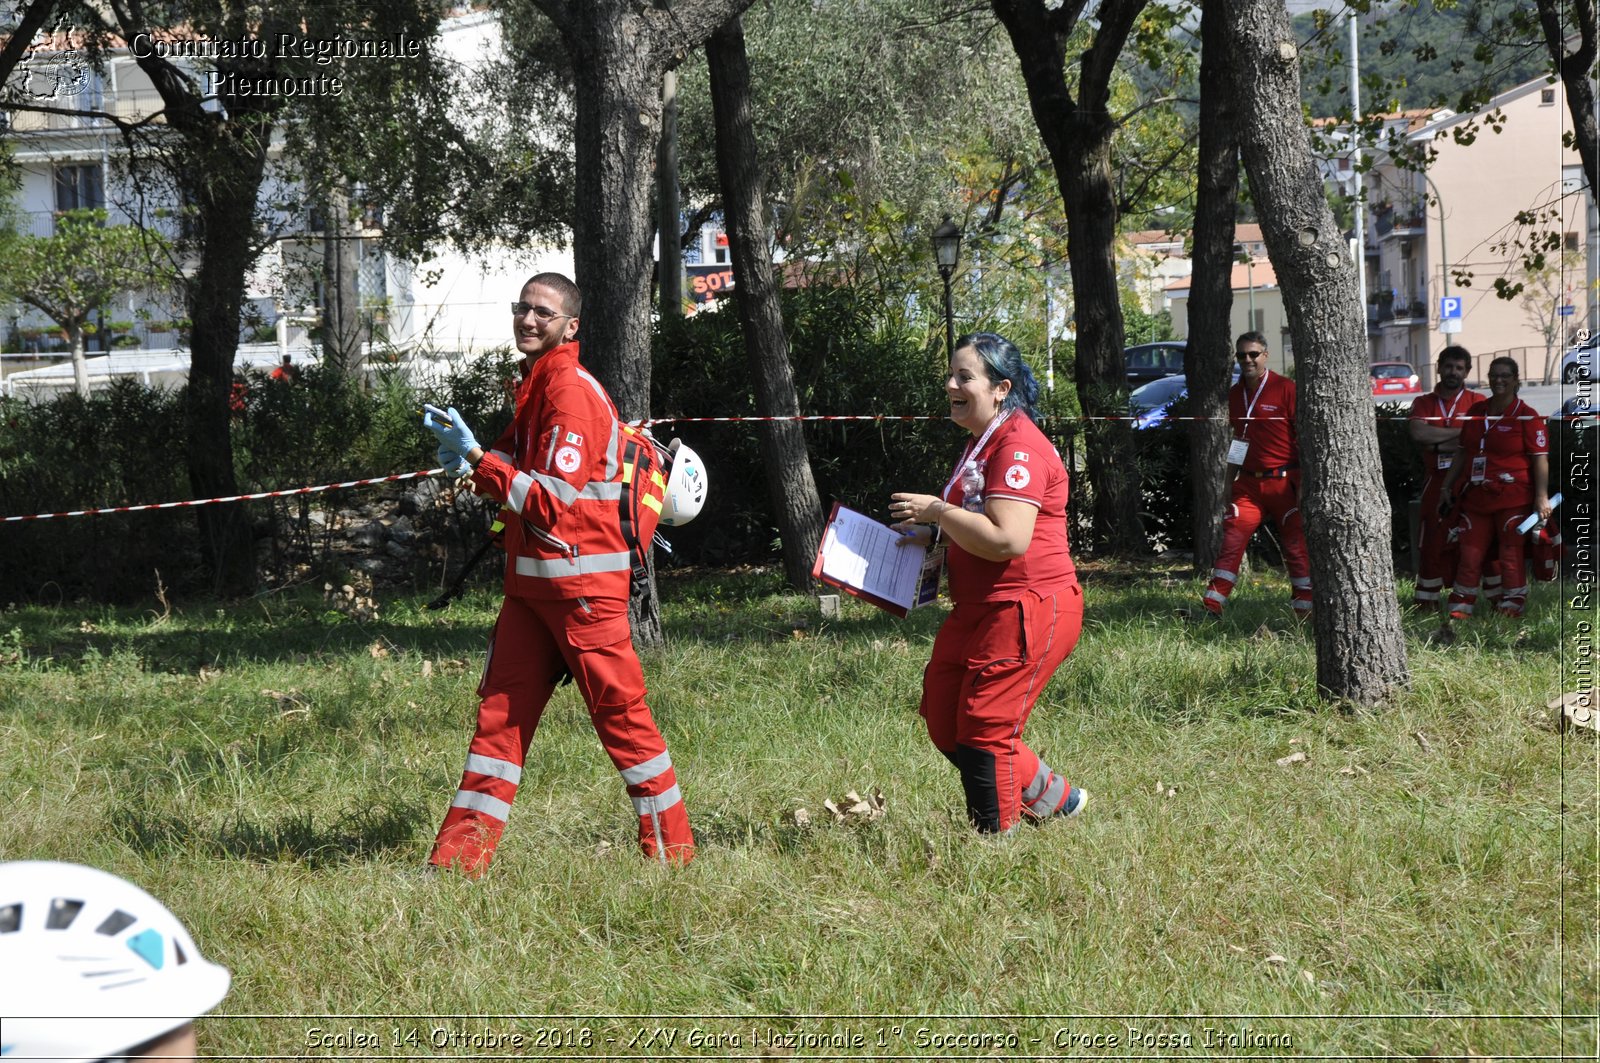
1018 607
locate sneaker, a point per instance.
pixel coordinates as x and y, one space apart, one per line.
1074 803
1457 614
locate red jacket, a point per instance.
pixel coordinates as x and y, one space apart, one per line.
559 469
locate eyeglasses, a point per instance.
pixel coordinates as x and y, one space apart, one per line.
1249 355
542 314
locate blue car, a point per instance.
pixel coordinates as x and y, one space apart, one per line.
1151 404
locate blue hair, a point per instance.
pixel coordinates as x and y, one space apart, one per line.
1002 361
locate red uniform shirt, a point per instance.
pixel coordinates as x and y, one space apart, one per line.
1270 427
1017 463
1506 442
1431 409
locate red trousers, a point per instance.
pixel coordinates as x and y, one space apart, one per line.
990 662
534 644
1254 499
1439 553
1490 512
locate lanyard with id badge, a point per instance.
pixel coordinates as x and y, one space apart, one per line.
1442 459
1241 446
1480 460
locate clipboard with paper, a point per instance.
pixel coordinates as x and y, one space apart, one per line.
873 562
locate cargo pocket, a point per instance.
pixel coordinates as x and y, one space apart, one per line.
597 623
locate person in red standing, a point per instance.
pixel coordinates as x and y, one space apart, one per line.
559 470
1265 458
1435 424
1018 607
286 372
1503 474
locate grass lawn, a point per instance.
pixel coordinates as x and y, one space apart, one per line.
1422 882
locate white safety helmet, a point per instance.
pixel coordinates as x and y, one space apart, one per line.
92 966
686 485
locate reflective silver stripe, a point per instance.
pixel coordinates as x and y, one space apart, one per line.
1231 577
1301 584
565 493
494 768
1427 596
1289 513
1461 607
1051 799
584 565
1471 592
612 462
1221 599
605 492
1515 592
1302 605
650 806
1491 581
1430 584
502 455
1041 776
476 802
648 770
517 496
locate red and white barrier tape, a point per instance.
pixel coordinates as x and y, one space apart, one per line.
190 503
230 498
652 422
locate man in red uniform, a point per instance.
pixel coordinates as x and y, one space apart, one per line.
1436 420
1505 469
1265 457
559 470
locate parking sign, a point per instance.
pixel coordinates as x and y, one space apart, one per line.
1449 307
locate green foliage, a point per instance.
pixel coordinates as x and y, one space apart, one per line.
844 363
123 446
81 266
1412 56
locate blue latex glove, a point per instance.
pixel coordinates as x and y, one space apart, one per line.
455 466
450 429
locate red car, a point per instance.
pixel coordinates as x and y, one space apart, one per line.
1391 379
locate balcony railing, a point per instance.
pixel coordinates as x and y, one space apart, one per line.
1399 308
128 106
1399 220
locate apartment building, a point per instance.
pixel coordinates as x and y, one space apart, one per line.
1450 232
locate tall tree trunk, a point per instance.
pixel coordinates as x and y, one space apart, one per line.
791 489
219 171
80 364
214 295
1210 352
669 235
1361 651
342 325
620 49
1577 75
1077 133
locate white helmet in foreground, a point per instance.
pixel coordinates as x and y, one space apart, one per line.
686 485
92 966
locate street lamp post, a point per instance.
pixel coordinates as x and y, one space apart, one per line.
947 251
